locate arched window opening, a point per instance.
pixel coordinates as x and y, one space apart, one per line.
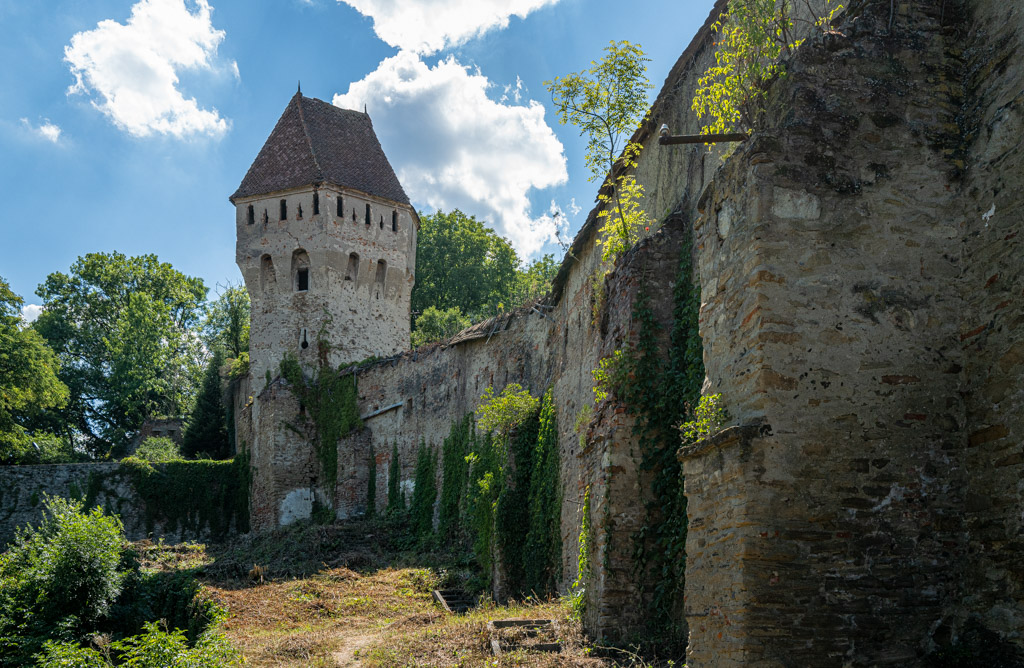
316 203
394 221
352 273
284 210
382 271
300 270
267 276
250 215
367 213
341 207
303 339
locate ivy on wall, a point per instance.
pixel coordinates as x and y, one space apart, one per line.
460 442
660 392
331 410
424 494
371 487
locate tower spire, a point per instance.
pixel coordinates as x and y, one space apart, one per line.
300 87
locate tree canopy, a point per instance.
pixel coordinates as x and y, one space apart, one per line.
123 330
28 377
466 272
227 321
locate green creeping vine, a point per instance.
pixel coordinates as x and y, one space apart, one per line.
659 394
332 411
371 486
396 502
424 493
460 442
190 495
578 591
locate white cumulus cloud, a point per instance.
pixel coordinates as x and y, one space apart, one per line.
29 312
426 26
454 147
131 69
46 130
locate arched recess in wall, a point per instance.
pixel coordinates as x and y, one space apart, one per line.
300 270
378 280
267 276
352 273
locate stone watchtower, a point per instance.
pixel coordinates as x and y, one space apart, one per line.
326 240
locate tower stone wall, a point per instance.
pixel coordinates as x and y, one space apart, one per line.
359 252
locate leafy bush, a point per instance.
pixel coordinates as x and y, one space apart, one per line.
75 577
154 648
158 449
504 412
22 447
60 578
708 417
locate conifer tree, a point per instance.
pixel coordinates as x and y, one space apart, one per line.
207 430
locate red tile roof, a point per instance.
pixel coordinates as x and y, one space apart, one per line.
315 142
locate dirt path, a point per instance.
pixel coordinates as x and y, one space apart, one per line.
346 656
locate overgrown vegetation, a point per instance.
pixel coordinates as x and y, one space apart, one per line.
331 409
754 36
74 578
608 102
660 392
578 592
191 496
424 494
207 431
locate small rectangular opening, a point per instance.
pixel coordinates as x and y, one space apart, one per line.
284 209
367 213
303 279
251 215
394 221
341 207
316 203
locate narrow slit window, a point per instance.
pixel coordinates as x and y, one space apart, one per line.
354 218
284 210
251 215
300 270
316 203
266 217
341 207
382 222
367 213
394 221
353 267
304 342
298 216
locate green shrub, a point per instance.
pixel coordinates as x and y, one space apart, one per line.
158 449
74 576
154 648
59 579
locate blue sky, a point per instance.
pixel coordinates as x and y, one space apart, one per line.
125 125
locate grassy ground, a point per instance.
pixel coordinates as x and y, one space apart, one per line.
343 595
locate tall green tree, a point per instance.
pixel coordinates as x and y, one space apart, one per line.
227 321
123 329
534 281
207 430
607 102
462 264
28 378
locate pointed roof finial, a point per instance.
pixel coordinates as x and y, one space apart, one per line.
300 87
364 108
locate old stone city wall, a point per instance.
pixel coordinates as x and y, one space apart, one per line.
861 284
217 510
